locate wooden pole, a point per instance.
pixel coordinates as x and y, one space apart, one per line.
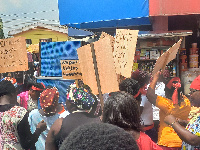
97 74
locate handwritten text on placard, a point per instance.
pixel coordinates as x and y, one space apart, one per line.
13 55
70 69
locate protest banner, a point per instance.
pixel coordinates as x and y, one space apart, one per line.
97 67
166 57
124 51
70 69
13 55
87 67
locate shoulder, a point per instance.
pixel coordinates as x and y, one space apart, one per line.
18 109
55 128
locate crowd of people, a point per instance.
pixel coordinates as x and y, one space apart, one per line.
33 118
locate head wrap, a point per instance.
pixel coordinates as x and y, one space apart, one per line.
49 97
81 97
195 83
37 89
176 86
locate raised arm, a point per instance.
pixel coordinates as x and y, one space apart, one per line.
183 133
151 90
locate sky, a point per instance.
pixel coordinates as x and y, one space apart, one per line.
16 14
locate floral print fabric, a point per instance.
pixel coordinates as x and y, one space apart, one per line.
8 127
194 127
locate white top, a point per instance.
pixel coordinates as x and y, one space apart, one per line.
159 90
147 113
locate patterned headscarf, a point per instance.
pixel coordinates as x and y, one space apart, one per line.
49 97
81 97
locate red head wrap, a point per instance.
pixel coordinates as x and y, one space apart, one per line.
195 83
176 86
37 89
49 97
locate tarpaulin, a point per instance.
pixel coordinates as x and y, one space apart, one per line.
53 52
106 13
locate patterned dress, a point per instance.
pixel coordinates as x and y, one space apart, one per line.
8 128
194 127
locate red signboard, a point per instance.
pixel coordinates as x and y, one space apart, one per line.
173 7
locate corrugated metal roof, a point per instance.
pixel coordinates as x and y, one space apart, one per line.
153 34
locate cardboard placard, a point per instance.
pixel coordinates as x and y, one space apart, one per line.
87 67
13 55
112 39
106 67
70 69
166 57
124 51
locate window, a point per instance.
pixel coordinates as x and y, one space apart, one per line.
46 40
28 41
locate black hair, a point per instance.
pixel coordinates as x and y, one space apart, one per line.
96 136
6 88
130 86
38 85
141 76
122 109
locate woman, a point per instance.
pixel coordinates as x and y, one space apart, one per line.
49 113
82 104
122 109
14 128
174 104
191 134
29 99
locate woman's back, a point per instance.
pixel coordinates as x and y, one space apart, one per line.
10 116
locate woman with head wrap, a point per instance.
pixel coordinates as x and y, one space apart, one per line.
174 104
29 98
82 105
14 127
121 109
49 113
191 134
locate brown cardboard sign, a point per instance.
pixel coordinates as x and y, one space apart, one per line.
13 55
70 69
124 51
166 57
87 67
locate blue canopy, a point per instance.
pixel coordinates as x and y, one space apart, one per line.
88 14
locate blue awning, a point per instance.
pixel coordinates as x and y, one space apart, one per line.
89 14
78 33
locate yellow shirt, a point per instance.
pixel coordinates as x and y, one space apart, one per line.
166 135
